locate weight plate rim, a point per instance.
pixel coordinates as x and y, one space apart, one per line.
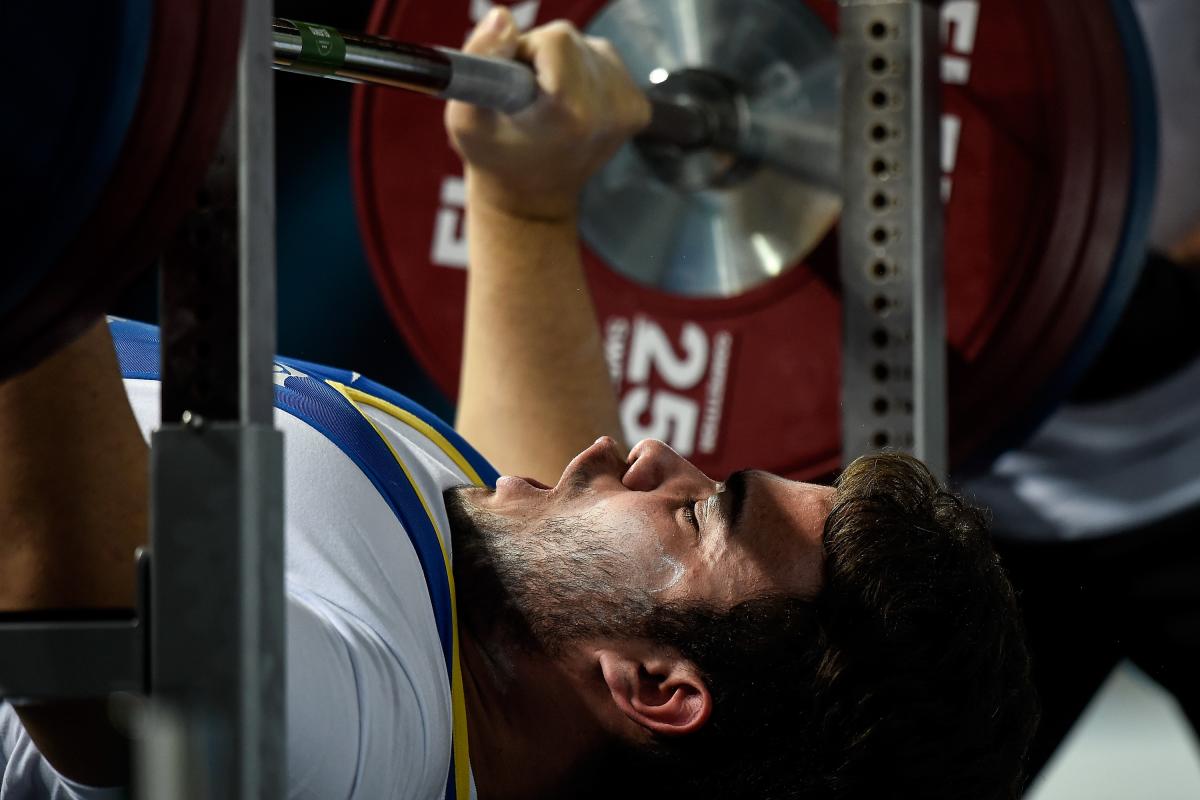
1082 297
208 106
1132 235
150 198
50 314
1021 359
1135 231
88 174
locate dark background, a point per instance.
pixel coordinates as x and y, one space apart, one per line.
329 310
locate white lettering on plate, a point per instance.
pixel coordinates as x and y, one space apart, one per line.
960 29
951 132
960 23
524 13
714 393
642 351
449 233
616 339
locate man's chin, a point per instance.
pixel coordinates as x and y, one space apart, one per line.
464 505
485 606
557 581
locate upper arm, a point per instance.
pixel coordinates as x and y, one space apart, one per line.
368 696
358 722
322 706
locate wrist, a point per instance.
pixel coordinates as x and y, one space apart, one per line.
493 196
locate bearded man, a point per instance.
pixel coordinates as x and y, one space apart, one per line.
615 624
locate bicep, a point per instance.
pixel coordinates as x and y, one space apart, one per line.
368 697
359 718
322 706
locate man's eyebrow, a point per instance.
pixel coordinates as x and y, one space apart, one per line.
735 487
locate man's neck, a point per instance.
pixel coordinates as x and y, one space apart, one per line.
526 725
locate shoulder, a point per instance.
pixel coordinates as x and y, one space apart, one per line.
368 693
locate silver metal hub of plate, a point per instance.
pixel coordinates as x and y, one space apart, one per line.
698 168
712 223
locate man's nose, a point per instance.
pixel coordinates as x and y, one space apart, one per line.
654 465
604 457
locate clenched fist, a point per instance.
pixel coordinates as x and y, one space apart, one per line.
533 164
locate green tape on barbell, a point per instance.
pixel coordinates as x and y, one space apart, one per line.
320 45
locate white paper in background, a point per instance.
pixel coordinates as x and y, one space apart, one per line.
1131 743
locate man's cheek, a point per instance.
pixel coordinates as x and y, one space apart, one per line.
665 573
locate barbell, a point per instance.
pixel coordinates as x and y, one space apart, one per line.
688 111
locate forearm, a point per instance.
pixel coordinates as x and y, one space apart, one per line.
73 502
73 482
535 389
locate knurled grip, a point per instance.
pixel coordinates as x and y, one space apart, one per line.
494 83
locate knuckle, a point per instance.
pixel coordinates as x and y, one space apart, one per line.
561 31
604 46
639 116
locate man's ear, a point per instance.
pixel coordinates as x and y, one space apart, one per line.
658 689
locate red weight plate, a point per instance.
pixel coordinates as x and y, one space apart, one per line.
990 384
753 379
1075 267
60 307
183 102
208 103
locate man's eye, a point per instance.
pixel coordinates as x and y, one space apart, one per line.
689 513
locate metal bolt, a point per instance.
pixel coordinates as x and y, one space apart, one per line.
192 420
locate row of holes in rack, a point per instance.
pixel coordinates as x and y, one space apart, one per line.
881 269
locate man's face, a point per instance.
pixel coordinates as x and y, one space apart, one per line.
653 528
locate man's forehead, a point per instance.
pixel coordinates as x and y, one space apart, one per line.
802 489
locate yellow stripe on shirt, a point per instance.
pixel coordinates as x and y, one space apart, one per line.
462 759
413 421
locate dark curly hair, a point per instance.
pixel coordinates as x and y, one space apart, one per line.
906 676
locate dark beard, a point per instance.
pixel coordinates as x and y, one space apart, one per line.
543 588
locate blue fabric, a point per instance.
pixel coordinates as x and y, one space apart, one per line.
137 348
487 473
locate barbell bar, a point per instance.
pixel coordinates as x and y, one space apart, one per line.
805 151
